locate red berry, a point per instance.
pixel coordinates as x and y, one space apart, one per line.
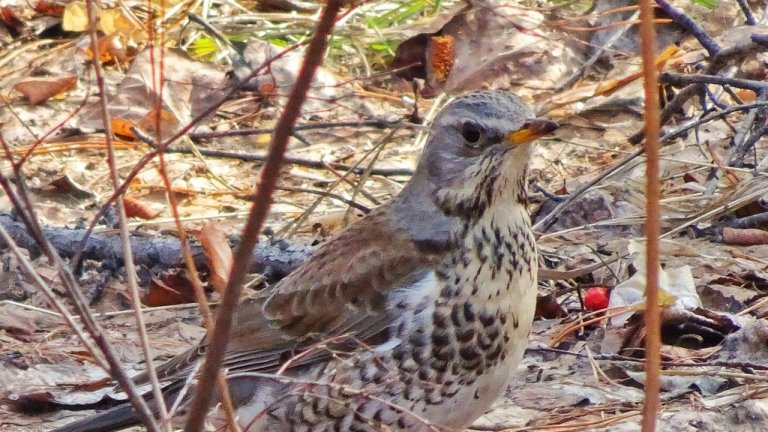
596 298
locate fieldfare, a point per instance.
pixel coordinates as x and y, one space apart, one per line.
413 318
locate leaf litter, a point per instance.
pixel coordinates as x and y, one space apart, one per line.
714 342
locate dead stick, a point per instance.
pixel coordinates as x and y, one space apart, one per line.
268 179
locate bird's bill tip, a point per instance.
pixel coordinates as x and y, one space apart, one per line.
532 130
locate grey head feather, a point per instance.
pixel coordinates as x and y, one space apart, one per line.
447 160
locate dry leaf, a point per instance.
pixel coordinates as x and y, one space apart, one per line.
165 120
219 254
39 90
138 209
169 289
9 18
44 7
75 17
66 185
122 127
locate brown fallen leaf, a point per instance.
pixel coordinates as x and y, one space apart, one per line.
18 326
169 289
38 90
138 209
216 248
68 186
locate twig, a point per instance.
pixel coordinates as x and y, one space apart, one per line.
291 227
596 56
359 187
22 204
268 179
139 166
345 178
682 130
653 208
621 358
125 236
741 143
686 79
716 62
263 156
378 124
546 222
350 202
760 39
41 285
759 220
749 18
684 20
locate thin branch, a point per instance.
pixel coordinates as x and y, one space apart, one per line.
375 123
43 287
125 236
682 130
67 279
268 179
741 143
653 209
684 20
139 166
760 39
263 156
749 17
716 62
546 222
686 79
576 75
350 202
289 229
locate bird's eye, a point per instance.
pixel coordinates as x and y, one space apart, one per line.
472 133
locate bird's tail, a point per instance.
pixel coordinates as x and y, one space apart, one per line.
116 418
121 416
254 390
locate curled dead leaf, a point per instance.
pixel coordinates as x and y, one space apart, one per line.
169 289
138 209
219 254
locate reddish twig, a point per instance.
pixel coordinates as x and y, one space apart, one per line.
31 149
268 179
653 216
139 166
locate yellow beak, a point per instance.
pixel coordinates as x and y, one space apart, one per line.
531 130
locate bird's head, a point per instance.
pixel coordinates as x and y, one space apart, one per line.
478 152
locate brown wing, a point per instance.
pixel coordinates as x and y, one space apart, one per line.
341 290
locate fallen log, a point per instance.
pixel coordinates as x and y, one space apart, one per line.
274 259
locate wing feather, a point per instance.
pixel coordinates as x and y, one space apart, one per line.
343 289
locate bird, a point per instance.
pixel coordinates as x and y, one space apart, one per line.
413 318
